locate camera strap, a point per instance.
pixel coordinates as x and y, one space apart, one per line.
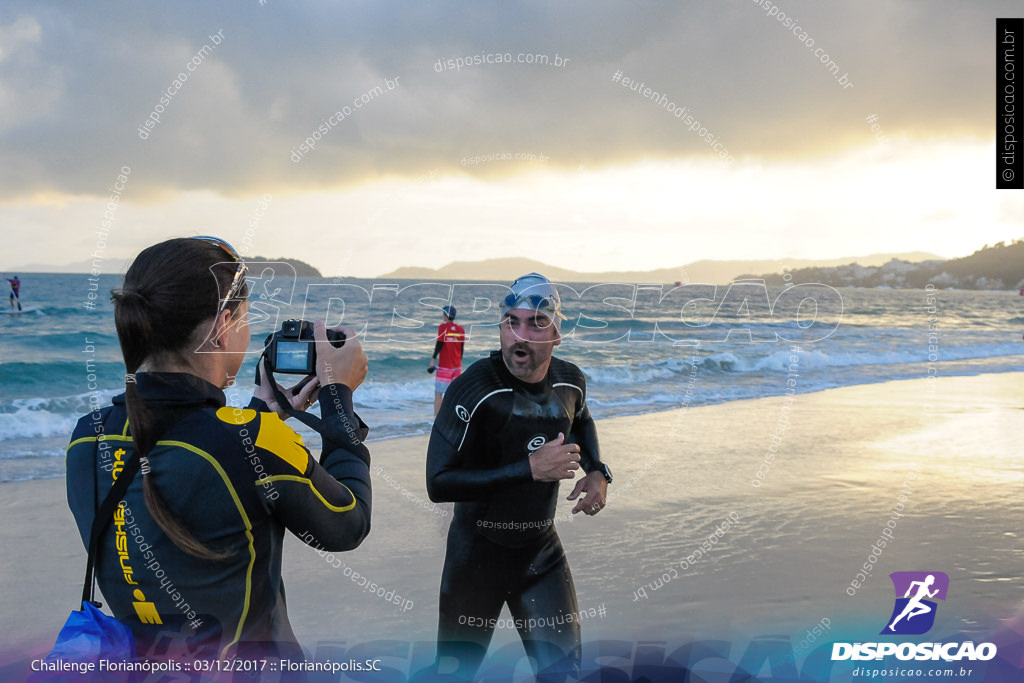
103 517
311 421
339 427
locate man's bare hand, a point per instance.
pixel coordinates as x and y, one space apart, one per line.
555 460
596 488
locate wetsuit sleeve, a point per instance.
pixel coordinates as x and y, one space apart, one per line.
327 504
258 404
437 347
584 433
81 476
449 477
452 474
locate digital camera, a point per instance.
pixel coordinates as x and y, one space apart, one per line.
292 350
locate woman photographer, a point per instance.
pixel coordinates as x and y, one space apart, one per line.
191 559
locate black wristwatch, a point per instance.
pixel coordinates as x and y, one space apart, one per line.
605 470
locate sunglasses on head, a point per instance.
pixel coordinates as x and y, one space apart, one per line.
238 280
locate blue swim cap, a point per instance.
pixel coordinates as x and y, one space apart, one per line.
534 292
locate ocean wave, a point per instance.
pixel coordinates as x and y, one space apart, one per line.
639 373
48 417
778 361
35 423
384 395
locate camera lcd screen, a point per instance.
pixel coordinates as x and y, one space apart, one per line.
292 356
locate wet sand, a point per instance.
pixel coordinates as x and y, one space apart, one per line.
688 547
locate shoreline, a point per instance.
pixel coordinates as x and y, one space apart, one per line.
313 442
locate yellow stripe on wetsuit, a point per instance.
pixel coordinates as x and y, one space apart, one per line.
248 531
275 437
308 482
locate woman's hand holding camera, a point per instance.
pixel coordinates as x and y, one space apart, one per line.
346 365
301 396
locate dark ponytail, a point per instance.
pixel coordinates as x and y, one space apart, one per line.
167 293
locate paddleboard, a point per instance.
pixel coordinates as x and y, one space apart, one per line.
25 309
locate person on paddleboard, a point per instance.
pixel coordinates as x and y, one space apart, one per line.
15 291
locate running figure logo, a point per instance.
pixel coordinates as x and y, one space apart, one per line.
914 612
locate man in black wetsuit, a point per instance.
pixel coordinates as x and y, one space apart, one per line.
510 428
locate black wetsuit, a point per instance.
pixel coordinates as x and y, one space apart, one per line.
502 544
236 479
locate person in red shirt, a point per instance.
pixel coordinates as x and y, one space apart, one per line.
450 339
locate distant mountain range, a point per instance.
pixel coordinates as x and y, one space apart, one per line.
710 272
998 267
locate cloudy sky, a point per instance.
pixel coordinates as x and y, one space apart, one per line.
419 159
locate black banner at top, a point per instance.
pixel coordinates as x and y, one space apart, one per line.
1009 153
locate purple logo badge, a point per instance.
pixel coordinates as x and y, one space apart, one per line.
916 592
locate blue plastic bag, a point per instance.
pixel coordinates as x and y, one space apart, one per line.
89 635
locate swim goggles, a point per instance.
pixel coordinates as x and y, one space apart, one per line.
238 281
536 293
